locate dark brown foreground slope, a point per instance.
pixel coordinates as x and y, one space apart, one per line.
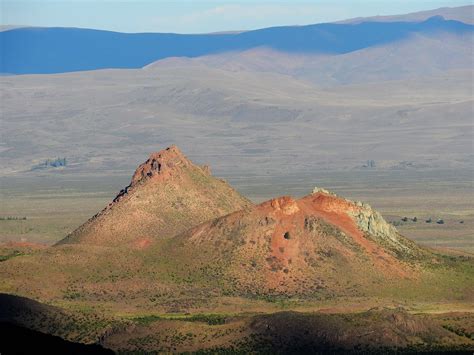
28 327
373 331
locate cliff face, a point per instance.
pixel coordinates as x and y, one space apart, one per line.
371 222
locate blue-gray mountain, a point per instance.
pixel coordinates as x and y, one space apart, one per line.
57 50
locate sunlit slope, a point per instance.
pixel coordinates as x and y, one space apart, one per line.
167 195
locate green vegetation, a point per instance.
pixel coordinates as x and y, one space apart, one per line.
12 254
459 331
208 318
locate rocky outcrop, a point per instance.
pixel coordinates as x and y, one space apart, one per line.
317 189
371 223
161 163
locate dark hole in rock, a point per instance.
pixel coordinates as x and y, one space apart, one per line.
286 235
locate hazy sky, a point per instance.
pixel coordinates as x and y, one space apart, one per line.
187 16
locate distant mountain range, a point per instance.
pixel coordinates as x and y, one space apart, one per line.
461 13
30 50
404 99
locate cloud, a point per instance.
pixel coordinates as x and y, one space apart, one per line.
249 16
213 15
253 12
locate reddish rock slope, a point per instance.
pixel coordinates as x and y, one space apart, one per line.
317 244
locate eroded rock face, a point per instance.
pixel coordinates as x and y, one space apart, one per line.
286 205
370 221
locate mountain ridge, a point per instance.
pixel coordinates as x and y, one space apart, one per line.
459 13
58 50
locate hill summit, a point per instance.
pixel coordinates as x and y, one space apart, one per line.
319 244
167 195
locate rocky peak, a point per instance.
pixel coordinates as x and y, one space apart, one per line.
160 163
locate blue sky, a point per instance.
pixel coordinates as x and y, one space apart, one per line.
187 16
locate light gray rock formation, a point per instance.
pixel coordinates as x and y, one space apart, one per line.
372 223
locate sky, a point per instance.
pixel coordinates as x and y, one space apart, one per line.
188 16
